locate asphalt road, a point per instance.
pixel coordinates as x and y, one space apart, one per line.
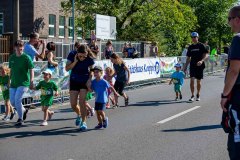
138 132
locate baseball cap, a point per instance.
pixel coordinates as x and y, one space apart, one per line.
194 34
48 71
98 68
178 65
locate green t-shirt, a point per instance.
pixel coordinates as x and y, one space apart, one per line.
4 83
47 88
20 66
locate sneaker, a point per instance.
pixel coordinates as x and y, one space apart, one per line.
50 115
126 101
198 98
19 122
176 98
105 122
78 121
12 114
44 123
83 126
6 118
191 99
25 114
92 111
180 96
99 126
108 105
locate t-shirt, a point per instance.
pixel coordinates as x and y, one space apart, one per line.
94 47
30 50
178 77
130 51
20 66
47 88
100 88
4 83
234 53
80 72
120 71
196 52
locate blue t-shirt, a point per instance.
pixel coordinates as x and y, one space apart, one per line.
130 51
178 77
30 50
80 72
101 90
234 53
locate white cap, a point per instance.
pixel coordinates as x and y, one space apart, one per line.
48 71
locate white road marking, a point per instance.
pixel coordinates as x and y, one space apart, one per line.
178 115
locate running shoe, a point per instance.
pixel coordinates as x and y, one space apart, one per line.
176 99
105 122
25 114
180 96
19 122
12 114
6 118
83 126
191 99
126 102
108 105
78 121
198 97
50 115
115 106
44 123
99 126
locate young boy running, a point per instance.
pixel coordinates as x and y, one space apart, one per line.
47 87
100 87
177 80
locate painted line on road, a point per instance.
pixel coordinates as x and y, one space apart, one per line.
178 115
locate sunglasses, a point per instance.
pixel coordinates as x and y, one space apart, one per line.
194 37
230 18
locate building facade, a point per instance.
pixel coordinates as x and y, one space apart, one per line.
42 16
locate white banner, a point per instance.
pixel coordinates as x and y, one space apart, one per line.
105 27
143 69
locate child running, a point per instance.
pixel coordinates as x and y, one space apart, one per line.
177 80
47 87
5 83
100 87
109 72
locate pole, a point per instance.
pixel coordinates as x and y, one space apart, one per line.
16 21
73 24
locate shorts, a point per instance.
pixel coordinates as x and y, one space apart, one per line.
196 72
46 101
5 94
177 87
119 86
76 86
100 106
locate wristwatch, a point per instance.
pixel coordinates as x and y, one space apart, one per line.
222 96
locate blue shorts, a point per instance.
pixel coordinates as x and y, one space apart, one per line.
100 106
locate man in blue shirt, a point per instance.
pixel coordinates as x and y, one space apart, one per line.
31 51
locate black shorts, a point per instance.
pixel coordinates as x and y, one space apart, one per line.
76 86
100 106
119 86
196 72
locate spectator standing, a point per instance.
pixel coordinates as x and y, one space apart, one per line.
231 92
196 56
30 50
131 51
108 51
94 48
93 36
153 49
21 77
125 50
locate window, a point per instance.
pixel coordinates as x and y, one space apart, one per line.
79 33
52 25
70 28
1 23
61 26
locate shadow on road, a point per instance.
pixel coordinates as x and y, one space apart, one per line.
69 131
199 128
156 103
